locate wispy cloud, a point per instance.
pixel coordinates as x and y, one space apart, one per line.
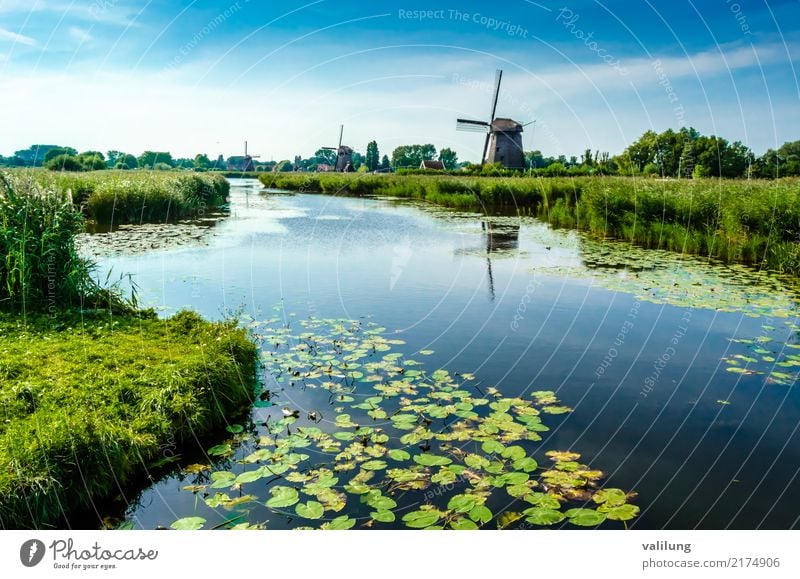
14 37
80 34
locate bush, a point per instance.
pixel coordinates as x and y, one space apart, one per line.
64 163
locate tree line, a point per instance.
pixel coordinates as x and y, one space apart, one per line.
671 154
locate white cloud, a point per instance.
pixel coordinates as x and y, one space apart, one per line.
80 34
19 38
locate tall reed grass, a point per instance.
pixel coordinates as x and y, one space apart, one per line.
40 269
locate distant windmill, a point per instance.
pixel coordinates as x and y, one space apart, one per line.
247 163
344 154
503 136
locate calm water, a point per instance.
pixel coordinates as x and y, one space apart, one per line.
637 354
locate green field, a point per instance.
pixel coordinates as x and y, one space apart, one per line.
755 222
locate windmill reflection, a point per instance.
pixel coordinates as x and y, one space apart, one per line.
498 238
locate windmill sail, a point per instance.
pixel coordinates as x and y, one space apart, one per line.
473 126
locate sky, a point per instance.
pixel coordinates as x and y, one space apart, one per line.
203 76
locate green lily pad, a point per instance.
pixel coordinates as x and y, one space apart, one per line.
282 497
544 517
188 524
585 517
310 510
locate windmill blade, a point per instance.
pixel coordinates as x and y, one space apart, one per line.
330 148
341 135
497 80
472 126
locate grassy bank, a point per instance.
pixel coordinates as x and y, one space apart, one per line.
458 192
90 402
755 222
91 390
117 197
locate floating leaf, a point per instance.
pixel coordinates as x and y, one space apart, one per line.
398 455
339 524
431 460
543 516
188 524
282 497
421 519
462 503
585 517
480 514
463 524
621 512
383 516
610 497
310 510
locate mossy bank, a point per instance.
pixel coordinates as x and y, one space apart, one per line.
91 402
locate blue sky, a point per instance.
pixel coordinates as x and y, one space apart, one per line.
204 76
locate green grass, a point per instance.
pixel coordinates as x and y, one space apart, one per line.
40 268
119 197
90 402
754 222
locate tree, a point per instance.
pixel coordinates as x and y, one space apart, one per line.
201 161
220 163
412 155
372 158
149 159
64 163
54 152
386 164
325 156
449 158
92 161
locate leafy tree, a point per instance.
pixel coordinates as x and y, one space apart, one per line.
372 158
65 163
412 155
201 161
449 158
92 161
325 156
54 152
386 164
149 159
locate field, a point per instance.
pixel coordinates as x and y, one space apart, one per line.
754 222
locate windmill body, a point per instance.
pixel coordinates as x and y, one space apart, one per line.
503 136
344 155
505 144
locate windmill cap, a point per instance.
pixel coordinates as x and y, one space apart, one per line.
501 124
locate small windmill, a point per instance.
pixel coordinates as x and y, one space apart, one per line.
503 136
247 163
344 154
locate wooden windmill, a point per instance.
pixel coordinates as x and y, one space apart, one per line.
344 154
503 136
247 163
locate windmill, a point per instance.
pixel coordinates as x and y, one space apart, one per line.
503 136
344 154
247 162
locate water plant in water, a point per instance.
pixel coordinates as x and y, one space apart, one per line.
398 445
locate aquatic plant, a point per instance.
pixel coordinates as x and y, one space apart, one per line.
399 446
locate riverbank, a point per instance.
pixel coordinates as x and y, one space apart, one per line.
122 197
92 401
752 222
